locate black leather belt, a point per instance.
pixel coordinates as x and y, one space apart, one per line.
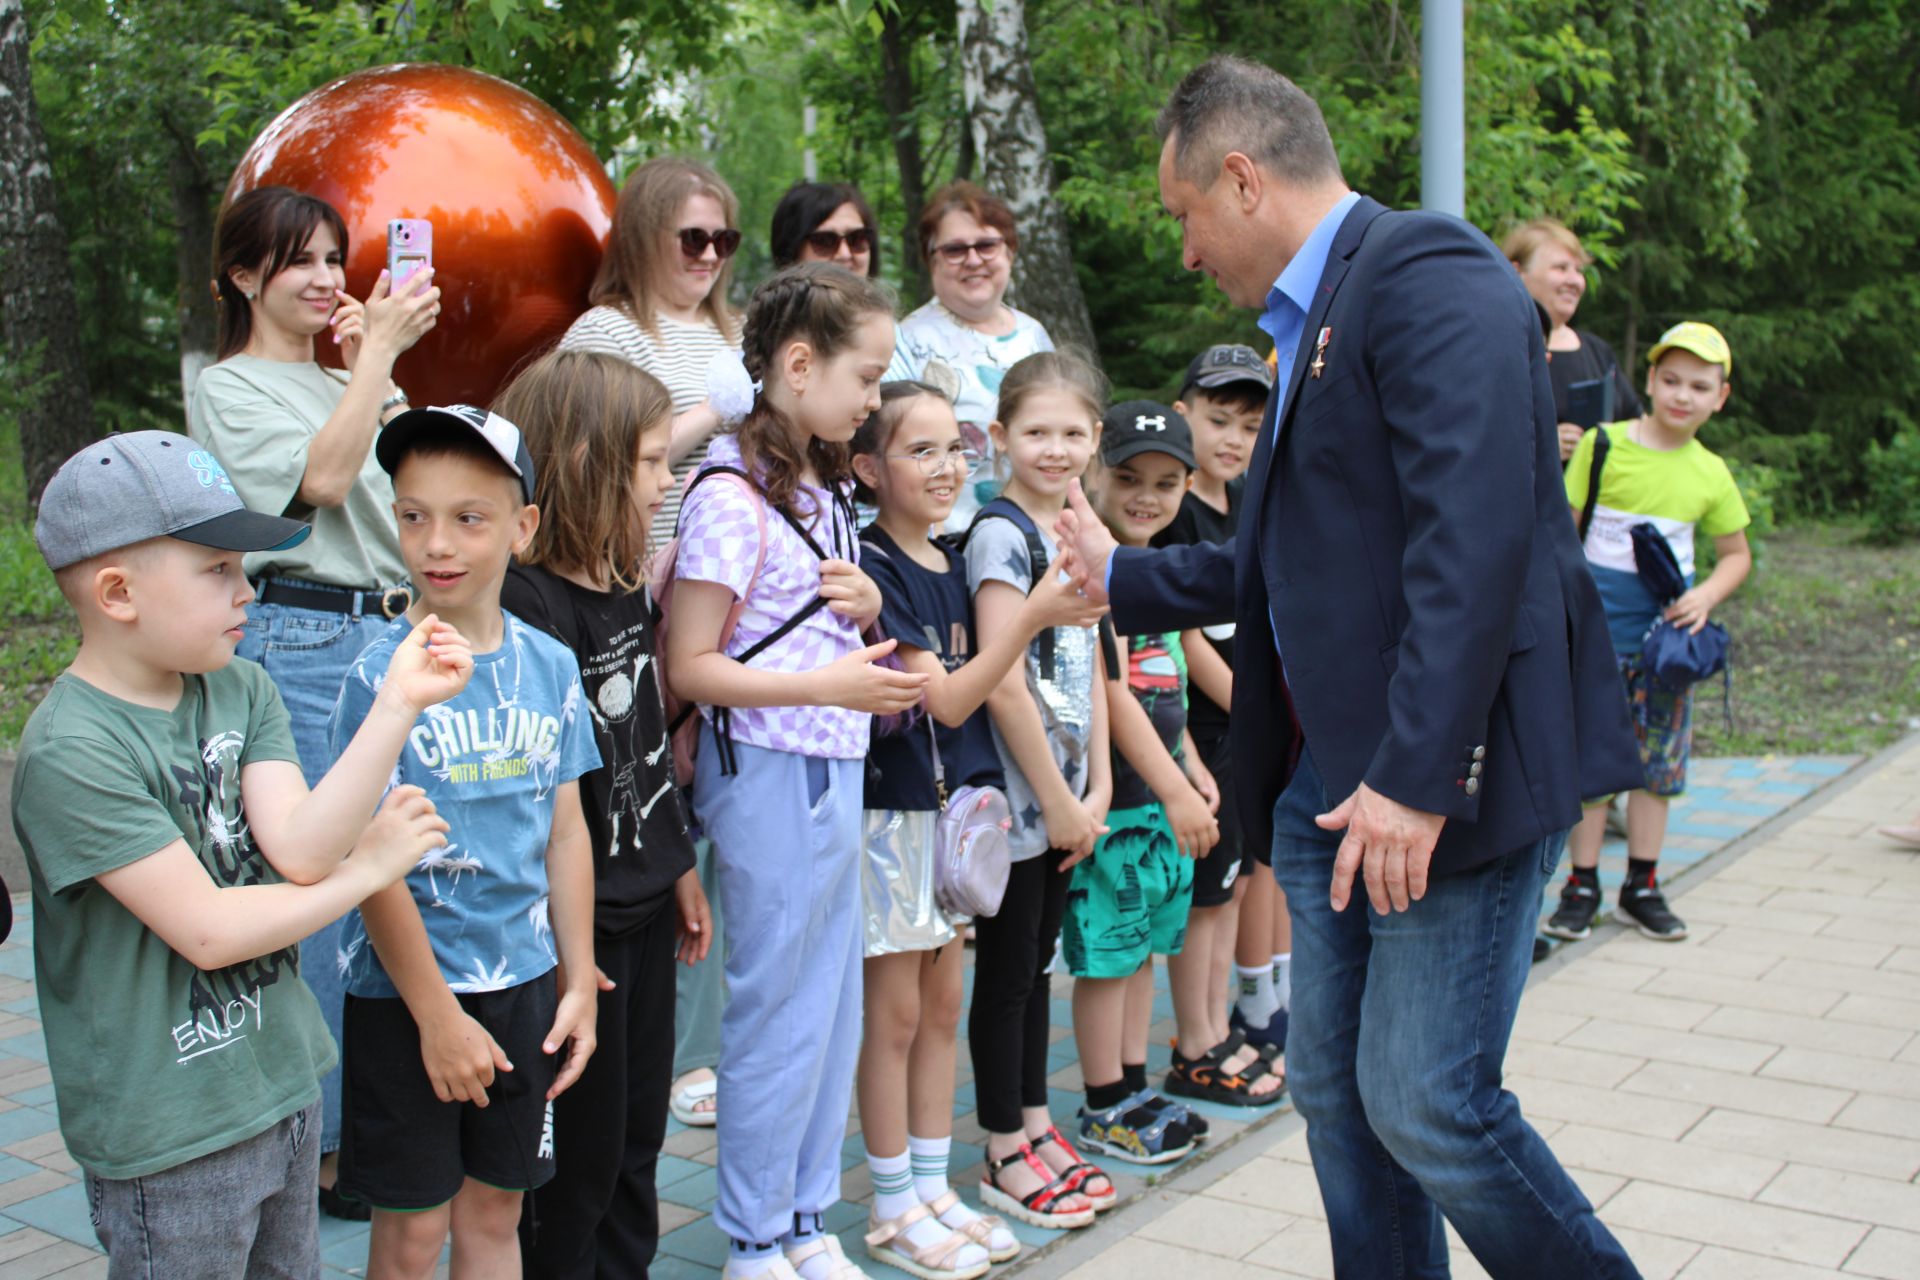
387 602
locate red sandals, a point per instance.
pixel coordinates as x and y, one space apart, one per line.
1042 1208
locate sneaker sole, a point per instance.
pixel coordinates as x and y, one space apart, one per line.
1121 1153
1567 935
1678 935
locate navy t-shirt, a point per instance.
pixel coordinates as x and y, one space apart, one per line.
1196 521
930 611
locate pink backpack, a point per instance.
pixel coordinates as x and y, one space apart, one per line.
683 724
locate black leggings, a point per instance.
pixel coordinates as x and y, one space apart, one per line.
1008 1027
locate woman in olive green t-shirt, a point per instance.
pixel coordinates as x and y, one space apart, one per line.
297 439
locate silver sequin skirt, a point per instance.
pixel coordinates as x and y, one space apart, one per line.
896 885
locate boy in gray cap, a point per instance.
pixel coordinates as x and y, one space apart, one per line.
177 859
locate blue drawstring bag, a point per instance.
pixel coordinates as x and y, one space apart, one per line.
1674 657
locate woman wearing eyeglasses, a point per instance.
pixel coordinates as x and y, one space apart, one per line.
660 298
968 239
825 222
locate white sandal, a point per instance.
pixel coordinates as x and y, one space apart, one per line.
887 1242
842 1267
980 1228
684 1101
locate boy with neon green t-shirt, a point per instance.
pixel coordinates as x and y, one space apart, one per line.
1657 472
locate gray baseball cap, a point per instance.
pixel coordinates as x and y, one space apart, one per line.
149 484
1226 363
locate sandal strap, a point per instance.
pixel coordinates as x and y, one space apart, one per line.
842 1269
1052 1188
943 1202
1077 1173
892 1235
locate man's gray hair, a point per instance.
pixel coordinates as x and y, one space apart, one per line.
1231 104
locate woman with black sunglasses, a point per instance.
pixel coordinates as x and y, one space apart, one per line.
660 298
826 222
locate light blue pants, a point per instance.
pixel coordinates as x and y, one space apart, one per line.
786 836
307 653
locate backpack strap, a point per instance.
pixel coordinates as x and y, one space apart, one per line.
1600 446
1005 509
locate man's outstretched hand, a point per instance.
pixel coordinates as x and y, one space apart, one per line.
1078 527
1388 843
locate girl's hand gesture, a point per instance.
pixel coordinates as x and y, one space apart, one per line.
1057 600
857 683
393 322
431 665
849 592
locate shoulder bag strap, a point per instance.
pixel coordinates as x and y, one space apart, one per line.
1600 446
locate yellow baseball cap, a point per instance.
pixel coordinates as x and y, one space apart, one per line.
1702 340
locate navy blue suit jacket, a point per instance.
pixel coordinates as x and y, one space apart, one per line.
1409 543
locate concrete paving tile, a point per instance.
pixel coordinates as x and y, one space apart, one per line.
1898 891
1763 917
1773 1231
1626 1006
20 1240
1303 1249
1278 1185
1881 1201
1689 1048
1581 1066
1715 1263
1674 1164
1139 1258
1901 1015
1768 997
1605 1108
1739 893
1217 1227
1844 1071
47 1261
1829 1036
1853 980
1878 1114
1604 969
1878 1154
1837 950
1596 1186
34 1184
1787 1099
1657 1257
1886 1254
1692 954
1542 1025
94 1268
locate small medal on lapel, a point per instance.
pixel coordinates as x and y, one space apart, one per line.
1319 364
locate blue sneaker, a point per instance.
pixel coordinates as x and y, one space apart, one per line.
1134 1131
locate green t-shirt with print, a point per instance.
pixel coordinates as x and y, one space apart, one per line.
154 1061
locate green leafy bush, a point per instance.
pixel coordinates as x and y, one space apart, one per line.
1893 489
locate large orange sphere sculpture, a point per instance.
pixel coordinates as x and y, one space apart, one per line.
520 208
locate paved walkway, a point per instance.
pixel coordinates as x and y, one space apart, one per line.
1743 1104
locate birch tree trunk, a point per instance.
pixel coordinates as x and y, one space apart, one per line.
1010 142
40 318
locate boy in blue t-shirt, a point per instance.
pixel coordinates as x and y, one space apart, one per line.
1655 471
457 1033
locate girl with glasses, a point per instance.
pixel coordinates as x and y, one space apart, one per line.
825 222
968 240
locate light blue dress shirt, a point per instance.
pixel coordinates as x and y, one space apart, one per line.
1291 298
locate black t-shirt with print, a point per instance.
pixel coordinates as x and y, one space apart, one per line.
1196 521
930 611
633 809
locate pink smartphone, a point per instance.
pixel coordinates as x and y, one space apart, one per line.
409 248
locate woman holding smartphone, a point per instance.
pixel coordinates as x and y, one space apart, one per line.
297 438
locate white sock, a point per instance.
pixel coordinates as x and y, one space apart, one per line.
1283 979
894 1194
749 1264
1257 1001
929 1156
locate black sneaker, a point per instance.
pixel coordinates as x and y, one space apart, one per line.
1647 907
1579 904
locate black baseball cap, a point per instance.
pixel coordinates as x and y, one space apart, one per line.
1225 363
1144 426
501 436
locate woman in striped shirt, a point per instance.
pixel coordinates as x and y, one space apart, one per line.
660 299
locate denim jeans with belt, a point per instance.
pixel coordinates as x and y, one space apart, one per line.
1398 1031
307 653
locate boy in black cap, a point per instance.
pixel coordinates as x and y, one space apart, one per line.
178 858
459 1034
1239 922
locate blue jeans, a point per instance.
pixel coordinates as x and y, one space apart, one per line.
1399 1027
307 653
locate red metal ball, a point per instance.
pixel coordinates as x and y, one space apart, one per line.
519 203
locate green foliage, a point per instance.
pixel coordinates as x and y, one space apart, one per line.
1893 489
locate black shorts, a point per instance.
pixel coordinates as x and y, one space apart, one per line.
401 1147
1215 874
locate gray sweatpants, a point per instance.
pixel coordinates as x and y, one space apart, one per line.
246 1212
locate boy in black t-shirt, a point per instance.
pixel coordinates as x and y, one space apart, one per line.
1238 921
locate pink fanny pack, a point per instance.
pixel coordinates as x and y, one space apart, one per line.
972 857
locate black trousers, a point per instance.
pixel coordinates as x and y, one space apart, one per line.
600 1216
1008 1028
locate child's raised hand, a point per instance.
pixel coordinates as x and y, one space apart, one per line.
848 591
405 830
858 683
431 665
459 1055
1058 601
1691 610
574 1026
1195 829
696 919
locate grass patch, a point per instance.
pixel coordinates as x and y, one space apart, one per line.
1826 649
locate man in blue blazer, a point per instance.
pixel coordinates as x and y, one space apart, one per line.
1439 693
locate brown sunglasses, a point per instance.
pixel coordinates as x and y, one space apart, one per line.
827 243
694 241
